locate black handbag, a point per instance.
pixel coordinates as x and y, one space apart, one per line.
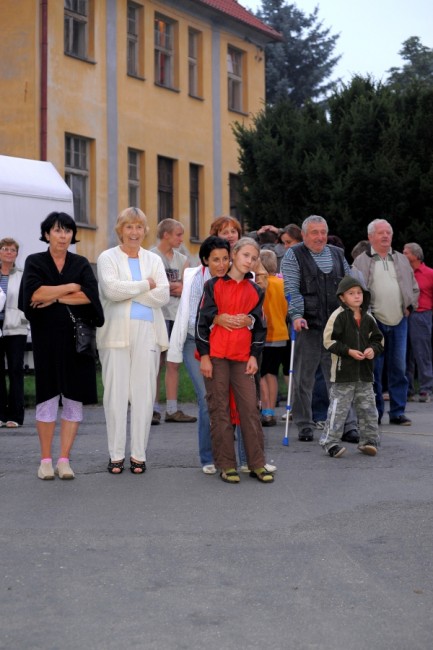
85 336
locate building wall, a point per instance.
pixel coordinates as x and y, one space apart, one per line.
99 101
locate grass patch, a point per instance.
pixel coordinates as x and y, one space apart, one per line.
186 391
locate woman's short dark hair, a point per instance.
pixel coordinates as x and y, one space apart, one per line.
210 244
61 219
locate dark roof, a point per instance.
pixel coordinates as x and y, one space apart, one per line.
233 9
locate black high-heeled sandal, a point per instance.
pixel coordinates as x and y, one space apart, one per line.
135 465
118 464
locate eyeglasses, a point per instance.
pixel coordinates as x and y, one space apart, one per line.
6 249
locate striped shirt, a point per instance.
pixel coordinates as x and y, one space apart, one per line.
292 277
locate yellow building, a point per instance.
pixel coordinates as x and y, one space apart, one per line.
133 103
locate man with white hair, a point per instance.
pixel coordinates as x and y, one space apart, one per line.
420 325
394 295
312 271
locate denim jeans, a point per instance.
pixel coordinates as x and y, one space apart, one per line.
395 354
193 369
419 352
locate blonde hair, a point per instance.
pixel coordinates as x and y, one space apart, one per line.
130 215
269 261
245 241
167 225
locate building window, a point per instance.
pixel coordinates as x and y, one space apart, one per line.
164 52
194 201
234 198
194 63
77 174
76 28
234 73
134 175
165 188
134 40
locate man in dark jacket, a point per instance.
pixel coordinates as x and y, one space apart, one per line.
312 271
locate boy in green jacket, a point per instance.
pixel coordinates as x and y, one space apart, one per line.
354 339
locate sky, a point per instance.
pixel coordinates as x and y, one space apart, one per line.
371 31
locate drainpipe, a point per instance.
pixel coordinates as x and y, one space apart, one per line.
44 76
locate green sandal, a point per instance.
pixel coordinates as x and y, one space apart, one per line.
262 475
230 476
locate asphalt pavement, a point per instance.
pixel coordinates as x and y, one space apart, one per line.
337 554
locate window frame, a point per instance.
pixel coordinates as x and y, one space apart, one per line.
195 85
77 176
165 169
135 41
165 52
134 182
235 79
76 21
195 173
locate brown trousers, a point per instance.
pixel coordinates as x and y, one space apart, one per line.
228 373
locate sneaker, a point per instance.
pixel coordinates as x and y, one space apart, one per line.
424 396
179 416
306 435
209 469
156 417
402 420
320 424
270 468
64 470
284 416
244 469
268 421
351 436
46 472
336 451
369 448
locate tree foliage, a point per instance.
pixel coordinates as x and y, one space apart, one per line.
368 155
299 67
418 68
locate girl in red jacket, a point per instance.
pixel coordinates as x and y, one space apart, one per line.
230 334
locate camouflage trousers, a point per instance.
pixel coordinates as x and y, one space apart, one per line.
341 398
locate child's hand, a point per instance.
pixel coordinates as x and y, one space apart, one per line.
252 367
206 366
356 354
369 353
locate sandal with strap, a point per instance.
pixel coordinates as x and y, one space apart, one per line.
137 465
230 476
115 465
262 475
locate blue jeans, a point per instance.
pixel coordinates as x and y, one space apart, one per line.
395 354
419 352
193 369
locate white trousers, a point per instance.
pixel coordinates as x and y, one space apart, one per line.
129 376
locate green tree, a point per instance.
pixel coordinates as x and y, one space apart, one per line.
300 66
368 155
418 67
286 171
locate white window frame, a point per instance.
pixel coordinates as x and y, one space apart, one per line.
77 158
76 27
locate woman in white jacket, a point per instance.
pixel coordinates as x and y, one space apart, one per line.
14 327
133 287
215 258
